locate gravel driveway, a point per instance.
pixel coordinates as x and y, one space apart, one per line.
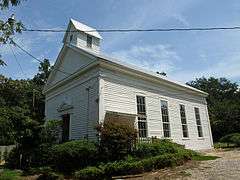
225 168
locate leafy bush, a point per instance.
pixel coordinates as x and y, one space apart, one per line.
73 155
13 159
123 168
156 148
89 173
231 138
236 139
117 138
223 145
50 176
39 157
50 131
135 167
170 160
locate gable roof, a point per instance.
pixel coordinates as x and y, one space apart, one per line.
88 30
130 67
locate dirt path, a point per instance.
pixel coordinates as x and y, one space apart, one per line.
225 168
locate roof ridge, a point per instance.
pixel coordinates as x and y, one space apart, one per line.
136 68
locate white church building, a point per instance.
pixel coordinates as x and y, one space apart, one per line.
85 87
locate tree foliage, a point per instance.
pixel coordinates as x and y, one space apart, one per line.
21 103
223 104
117 138
6 3
8 27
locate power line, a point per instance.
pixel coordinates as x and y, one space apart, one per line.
137 30
28 53
20 67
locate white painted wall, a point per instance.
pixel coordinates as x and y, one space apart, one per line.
71 62
115 91
83 118
119 93
80 40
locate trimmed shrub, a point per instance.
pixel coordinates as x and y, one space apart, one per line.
148 164
123 168
117 138
159 147
233 138
89 173
73 155
134 167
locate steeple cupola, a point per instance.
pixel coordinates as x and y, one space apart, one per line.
82 36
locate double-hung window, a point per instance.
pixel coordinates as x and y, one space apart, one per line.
89 41
142 118
183 121
198 121
165 119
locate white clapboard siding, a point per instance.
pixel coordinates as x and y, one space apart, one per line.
71 62
82 115
120 93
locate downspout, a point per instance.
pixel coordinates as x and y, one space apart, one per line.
88 105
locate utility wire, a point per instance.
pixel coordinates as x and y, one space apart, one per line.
28 53
137 30
15 57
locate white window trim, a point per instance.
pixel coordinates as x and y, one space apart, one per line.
185 110
143 95
170 137
199 137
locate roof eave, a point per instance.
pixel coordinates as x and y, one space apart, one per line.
193 90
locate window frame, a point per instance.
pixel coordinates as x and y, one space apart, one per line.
142 117
71 38
183 118
164 122
198 122
89 41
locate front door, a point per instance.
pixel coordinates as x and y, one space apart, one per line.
65 127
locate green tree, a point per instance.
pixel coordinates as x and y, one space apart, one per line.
44 71
39 81
26 94
10 26
223 104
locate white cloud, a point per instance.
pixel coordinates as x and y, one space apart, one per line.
227 67
179 17
149 14
50 36
163 58
152 57
6 50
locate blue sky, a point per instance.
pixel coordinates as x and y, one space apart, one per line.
183 56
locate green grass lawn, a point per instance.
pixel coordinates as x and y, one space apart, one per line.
224 145
204 158
6 174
